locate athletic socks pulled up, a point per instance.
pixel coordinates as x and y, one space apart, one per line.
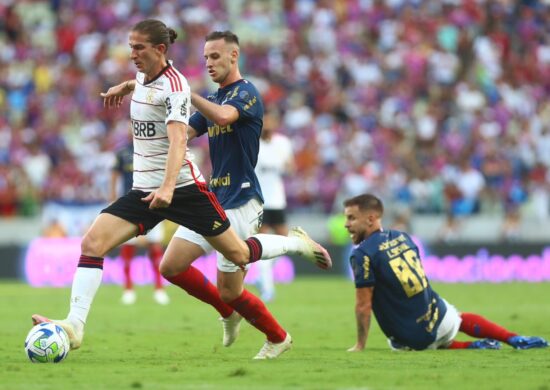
197 285
255 312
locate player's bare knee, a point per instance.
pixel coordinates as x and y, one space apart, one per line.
92 246
228 295
169 268
236 257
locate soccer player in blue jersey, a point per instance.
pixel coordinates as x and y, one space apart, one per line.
232 118
391 282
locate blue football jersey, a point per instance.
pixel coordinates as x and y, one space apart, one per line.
234 148
406 308
125 166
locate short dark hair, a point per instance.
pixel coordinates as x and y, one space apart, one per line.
157 32
227 36
366 202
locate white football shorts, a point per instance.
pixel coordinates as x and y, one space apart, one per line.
447 331
154 236
245 220
448 328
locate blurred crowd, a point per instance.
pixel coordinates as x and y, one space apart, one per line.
438 106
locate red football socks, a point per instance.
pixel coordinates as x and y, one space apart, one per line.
198 286
477 326
459 344
255 312
155 255
127 253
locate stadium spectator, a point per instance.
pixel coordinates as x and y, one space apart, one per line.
383 80
390 282
166 185
275 159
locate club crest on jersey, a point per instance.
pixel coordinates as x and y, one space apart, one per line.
149 98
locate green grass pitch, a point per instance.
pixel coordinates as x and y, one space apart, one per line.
147 346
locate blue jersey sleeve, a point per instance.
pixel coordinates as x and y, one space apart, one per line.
362 269
198 122
246 101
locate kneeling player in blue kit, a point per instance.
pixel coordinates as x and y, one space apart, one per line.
391 282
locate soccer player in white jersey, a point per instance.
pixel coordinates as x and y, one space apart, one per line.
232 118
275 160
167 183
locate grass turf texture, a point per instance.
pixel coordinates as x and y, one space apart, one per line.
147 346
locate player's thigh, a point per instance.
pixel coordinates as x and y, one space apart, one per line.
245 222
106 233
231 247
179 255
448 328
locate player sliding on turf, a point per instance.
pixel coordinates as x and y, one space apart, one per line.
390 281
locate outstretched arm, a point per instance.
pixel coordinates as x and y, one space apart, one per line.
221 115
114 95
363 312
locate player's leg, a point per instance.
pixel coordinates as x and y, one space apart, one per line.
185 247
121 220
448 329
250 307
477 326
245 222
155 252
127 253
269 246
106 233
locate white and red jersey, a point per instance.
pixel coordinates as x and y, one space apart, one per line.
155 103
273 160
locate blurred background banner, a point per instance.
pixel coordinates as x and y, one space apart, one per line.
441 108
52 261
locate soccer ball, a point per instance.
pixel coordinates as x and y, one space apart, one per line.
47 343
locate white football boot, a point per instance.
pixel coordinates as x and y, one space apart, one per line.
231 327
273 350
75 333
312 251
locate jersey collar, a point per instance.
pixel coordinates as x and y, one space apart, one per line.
169 65
231 85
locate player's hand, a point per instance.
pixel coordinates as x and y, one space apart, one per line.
159 199
356 348
114 95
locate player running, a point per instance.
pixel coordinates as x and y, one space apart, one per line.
390 281
167 184
232 118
